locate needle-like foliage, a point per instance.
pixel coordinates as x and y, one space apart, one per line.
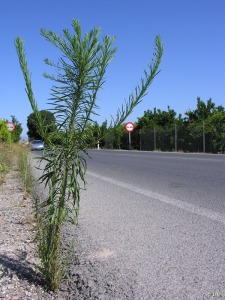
78 76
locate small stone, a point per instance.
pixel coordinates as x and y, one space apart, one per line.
27 293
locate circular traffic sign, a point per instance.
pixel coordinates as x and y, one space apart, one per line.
11 126
129 126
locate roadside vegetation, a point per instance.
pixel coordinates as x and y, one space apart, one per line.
4 132
78 75
5 161
14 156
12 153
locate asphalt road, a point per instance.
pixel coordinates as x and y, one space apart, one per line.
197 179
152 226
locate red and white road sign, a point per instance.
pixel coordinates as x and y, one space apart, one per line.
11 126
129 126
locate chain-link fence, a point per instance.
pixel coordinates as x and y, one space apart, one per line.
196 137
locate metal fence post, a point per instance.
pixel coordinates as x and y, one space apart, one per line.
203 135
154 139
175 133
140 138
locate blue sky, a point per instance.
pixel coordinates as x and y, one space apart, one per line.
193 65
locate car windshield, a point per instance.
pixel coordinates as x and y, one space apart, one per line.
36 142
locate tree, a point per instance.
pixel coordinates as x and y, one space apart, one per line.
77 80
215 127
15 135
103 133
157 117
202 111
33 127
4 132
157 129
209 120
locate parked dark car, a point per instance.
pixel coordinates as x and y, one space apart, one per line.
37 145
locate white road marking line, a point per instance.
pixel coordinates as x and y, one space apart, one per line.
205 212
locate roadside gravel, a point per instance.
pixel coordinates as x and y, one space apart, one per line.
19 279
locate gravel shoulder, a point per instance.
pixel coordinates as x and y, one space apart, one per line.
18 254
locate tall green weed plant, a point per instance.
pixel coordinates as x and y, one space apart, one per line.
78 76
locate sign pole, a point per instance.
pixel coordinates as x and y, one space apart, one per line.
129 140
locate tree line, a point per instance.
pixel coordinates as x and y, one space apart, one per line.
200 130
